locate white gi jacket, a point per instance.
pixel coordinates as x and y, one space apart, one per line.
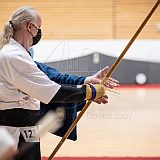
22 84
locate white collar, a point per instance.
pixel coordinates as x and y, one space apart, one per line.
14 42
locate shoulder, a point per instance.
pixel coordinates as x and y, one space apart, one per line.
16 56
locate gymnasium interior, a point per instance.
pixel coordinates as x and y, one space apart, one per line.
80 37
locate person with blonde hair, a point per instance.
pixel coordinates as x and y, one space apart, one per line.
23 86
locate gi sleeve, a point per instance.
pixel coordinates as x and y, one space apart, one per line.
21 71
60 78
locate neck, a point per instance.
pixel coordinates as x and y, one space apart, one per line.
21 39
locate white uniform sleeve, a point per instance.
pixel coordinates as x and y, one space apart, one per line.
23 73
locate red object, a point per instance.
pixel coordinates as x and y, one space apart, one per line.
105 158
146 86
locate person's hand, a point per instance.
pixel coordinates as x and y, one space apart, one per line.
94 91
102 100
98 77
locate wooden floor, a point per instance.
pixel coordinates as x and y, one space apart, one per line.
128 126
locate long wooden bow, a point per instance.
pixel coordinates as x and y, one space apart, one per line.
114 66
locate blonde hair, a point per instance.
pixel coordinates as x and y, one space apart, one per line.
19 16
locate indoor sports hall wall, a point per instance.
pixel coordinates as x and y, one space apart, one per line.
89 19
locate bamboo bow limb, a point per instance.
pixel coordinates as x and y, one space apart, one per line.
114 66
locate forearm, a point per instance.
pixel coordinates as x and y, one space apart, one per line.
68 94
60 78
70 79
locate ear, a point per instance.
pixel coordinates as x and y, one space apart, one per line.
29 26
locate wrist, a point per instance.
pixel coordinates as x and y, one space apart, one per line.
88 80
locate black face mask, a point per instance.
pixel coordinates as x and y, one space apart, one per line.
37 38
